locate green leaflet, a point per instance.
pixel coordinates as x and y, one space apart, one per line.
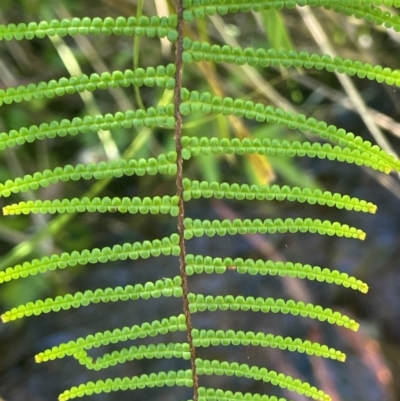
146 249
160 76
358 8
205 189
154 26
199 51
198 228
164 205
152 117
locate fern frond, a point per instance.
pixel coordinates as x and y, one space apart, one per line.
145 249
147 329
152 27
214 367
200 303
206 264
156 205
205 338
169 379
360 9
162 76
198 228
211 394
199 51
205 189
205 102
166 288
164 164
152 117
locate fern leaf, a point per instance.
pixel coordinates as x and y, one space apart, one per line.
152 117
211 394
169 379
166 288
205 367
160 76
206 264
205 189
164 164
200 303
79 347
198 228
165 246
207 103
154 26
360 9
205 338
156 205
199 51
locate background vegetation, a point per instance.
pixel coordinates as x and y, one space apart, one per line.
373 353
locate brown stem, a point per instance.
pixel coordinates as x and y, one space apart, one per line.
179 186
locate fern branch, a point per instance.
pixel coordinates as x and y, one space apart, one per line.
211 394
164 164
160 379
152 117
207 103
198 228
160 76
156 205
360 9
199 51
165 246
205 189
155 26
218 368
206 264
166 288
205 338
79 347
200 303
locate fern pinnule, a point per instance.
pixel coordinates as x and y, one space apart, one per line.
163 164
166 288
155 205
160 116
198 228
360 9
199 51
75 348
205 338
198 264
206 367
154 26
165 246
194 189
169 379
161 76
194 146
211 394
201 303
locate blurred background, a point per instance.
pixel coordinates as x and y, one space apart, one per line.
364 107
